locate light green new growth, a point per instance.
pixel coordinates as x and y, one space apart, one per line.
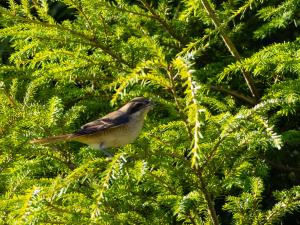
206 150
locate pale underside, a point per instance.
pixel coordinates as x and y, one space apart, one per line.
114 137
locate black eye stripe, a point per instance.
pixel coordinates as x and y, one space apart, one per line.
138 104
136 107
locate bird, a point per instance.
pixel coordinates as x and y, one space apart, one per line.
115 129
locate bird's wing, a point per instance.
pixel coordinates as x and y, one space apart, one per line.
111 120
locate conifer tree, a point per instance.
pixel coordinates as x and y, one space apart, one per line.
221 145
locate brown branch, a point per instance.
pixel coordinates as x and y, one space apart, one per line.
235 94
231 47
208 198
164 24
90 40
122 9
62 210
280 166
173 90
81 11
53 222
192 219
68 163
163 183
9 98
6 163
212 153
181 112
86 58
67 160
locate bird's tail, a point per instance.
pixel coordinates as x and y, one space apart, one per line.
65 137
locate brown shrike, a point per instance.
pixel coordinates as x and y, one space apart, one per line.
116 129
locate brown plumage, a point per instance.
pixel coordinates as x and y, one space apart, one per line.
116 129
52 139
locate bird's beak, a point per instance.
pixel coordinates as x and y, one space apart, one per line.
150 104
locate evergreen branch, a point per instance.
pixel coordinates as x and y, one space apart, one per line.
193 221
241 10
6 163
53 222
168 154
122 9
10 99
208 197
180 110
280 166
68 163
163 183
231 47
191 92
235 94
80 10
191 96
92 63
287 204
138 74
90 40
173 91
113 169
164 23
234 128
212 152
56 208
105 26
78 173
25 210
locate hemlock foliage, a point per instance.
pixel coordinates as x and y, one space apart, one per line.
221 145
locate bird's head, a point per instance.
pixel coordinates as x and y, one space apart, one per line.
138 106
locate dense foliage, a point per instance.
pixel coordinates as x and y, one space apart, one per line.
221 145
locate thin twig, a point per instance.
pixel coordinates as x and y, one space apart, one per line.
62 210
10 98
84 57
192 219
163 183
231 47
52 222
80 10
208 198
280 166
181 112
212 153
235 94
92 41
122 9
164 24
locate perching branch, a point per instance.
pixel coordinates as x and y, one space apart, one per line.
231 47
